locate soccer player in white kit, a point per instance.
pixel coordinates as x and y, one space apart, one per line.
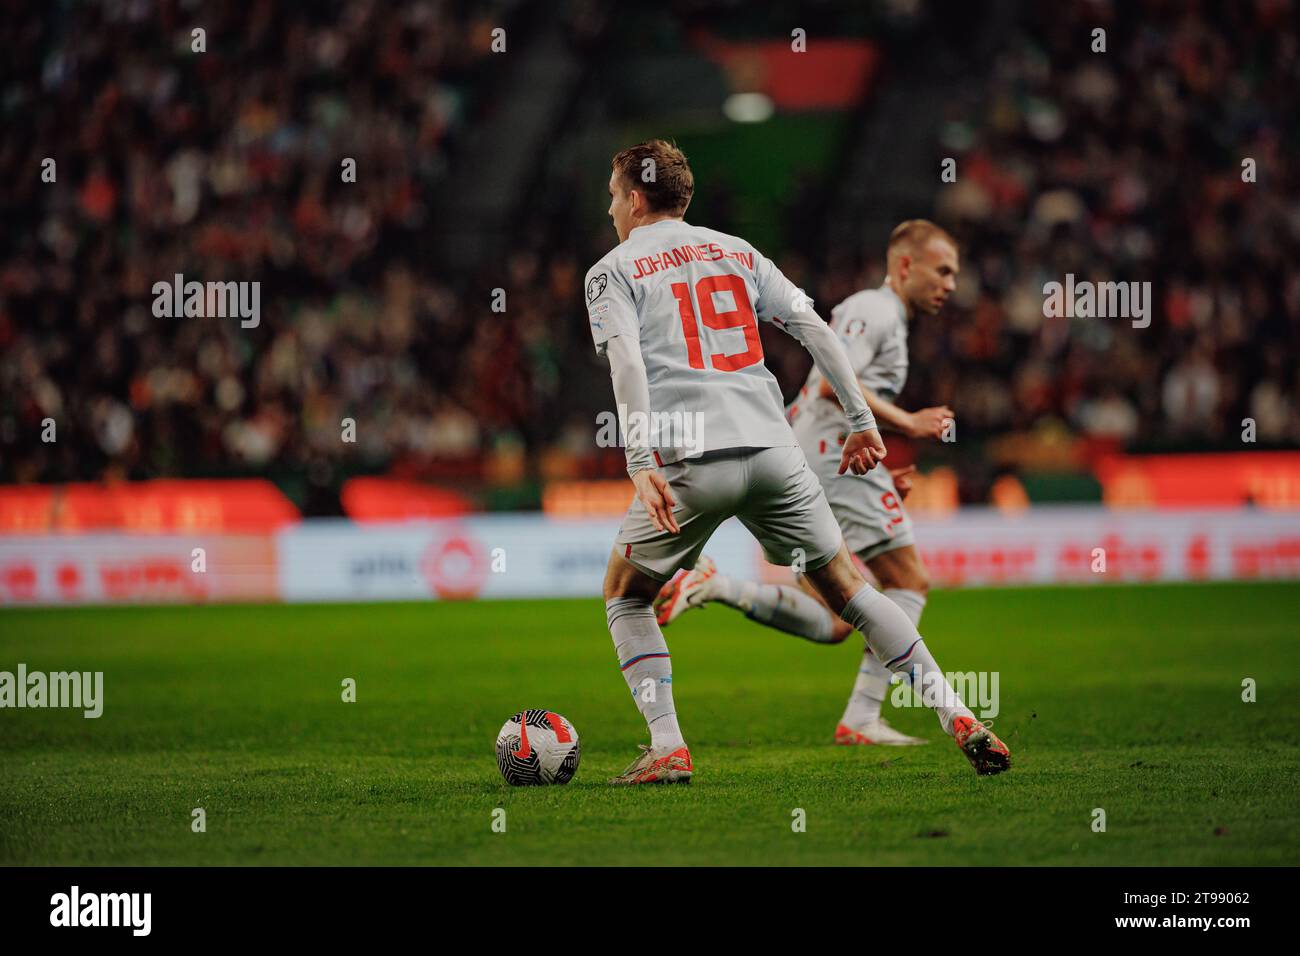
922 266
674 308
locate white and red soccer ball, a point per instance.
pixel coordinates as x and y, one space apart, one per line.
536 748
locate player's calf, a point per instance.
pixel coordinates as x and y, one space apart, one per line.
778 606
643 656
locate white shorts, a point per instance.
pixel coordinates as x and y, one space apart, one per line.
867 507
771 490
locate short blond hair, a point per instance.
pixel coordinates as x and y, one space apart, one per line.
911 236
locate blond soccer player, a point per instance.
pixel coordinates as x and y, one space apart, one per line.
675 308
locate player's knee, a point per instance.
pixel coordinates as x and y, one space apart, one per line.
622 580
615 583
905 575
622 586
840 631
837 581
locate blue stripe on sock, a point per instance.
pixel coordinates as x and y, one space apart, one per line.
641 657
905 656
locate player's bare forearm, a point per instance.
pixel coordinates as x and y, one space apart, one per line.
924 423
888 415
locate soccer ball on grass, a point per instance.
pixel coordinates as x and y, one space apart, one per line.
537 747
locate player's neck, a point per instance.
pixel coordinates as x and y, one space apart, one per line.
893 287
652 219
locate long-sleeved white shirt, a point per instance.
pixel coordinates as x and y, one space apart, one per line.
686 302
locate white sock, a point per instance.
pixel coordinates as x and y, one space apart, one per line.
912 602
647 668
782 606
894 639
869 692
872 685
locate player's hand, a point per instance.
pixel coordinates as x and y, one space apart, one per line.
902 479
652 488
862 450
929 422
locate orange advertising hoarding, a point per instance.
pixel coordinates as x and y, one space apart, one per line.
240 506
1266 479
132 568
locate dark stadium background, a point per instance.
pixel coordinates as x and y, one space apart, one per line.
481 170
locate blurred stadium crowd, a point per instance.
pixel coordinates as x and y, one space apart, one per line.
225 165
1128 166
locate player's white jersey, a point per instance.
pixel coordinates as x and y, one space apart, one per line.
693 297
872 325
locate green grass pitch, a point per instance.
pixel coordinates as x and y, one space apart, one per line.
1124 698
